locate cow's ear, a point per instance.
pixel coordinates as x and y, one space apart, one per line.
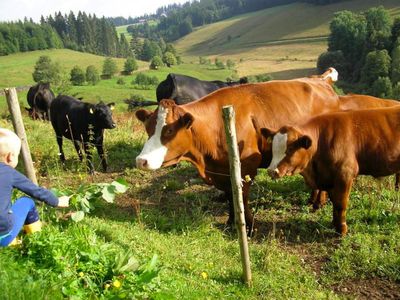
187 120
268 134
143 115
303 142
111 105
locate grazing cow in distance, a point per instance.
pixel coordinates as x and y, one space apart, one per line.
195 132
39 98
184 89
332 149
81 122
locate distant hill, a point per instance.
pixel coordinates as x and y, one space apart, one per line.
284 41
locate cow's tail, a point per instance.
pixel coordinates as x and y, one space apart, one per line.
138 103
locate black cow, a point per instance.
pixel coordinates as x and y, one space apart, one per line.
184 89
81 122
39 98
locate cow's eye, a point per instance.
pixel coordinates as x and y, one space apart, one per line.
168 131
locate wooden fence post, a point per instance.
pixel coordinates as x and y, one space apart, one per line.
236 182
13 106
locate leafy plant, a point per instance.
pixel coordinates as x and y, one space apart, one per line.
81 199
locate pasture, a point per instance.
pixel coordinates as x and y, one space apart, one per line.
284 41
171 232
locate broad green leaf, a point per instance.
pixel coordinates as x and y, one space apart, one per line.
121 186
77 216
108 193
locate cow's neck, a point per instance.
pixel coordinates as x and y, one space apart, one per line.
207 140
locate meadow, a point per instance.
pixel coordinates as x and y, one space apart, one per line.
165 238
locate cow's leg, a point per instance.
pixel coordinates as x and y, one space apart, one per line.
339 196
396 184
318 199
87 146
100 151
248 215
60 143
78 150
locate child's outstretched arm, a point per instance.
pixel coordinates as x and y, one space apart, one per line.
27 186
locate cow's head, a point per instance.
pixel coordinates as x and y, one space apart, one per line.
169 135
103 115
290 151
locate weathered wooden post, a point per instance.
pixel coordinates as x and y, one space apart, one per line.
236 182
13 106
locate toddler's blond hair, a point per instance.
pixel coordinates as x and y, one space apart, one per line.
9 143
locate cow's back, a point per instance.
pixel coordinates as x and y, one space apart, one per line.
369 138
354 101
66 112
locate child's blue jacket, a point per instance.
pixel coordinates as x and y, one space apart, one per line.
9 179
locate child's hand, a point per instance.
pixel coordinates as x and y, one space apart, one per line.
63 201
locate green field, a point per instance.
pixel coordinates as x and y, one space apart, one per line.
16 70
122 29
284 41
166 238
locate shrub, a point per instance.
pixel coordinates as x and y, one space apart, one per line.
92 75
109 67
46 71
77 76
156 62
219 64
230 64
259 78
121 81
169 59
145 82
130 65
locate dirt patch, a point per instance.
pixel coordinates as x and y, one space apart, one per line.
374 288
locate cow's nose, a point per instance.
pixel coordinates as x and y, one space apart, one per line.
141 163
273 173
113 125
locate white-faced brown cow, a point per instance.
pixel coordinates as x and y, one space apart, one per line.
351 102
195 132
330 150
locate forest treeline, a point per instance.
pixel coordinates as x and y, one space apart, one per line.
177 20
365 49
83 32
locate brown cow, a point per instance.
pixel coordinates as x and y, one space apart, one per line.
351 102
195 132
330 150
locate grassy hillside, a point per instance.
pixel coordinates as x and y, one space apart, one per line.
284 41
16 70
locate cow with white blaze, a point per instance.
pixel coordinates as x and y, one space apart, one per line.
194 132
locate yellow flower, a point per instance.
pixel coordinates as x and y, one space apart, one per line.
117 284
204 275
81 274
247 178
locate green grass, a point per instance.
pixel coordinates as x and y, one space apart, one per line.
295 253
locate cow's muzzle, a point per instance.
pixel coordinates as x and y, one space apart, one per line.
141 163
274 174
